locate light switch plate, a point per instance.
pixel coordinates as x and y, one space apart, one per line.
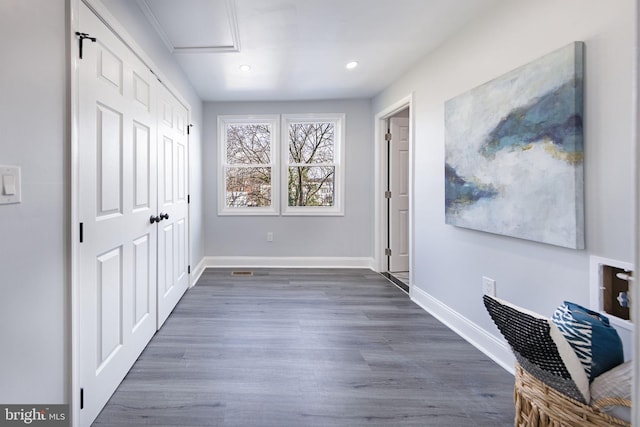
10 185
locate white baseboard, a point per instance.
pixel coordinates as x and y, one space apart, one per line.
197 272
287 262
495 349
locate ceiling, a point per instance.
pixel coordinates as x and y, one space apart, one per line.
298 49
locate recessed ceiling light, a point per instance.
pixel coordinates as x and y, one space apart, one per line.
245 67
351 65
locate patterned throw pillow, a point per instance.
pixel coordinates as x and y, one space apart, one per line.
614 383
596 343
540 348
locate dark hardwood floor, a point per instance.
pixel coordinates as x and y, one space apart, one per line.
308 347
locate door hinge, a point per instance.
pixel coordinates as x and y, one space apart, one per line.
387 251
387 136
188 128
189 270
81 232
81 398
387 194
81 37
188 198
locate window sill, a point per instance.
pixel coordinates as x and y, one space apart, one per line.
312 212
245 212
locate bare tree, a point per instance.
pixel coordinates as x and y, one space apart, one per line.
248 178
311 169
311 173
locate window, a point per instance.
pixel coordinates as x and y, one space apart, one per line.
310 151
248 165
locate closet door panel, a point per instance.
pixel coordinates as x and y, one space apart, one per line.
117 187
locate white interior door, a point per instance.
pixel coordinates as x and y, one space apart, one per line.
399 202
173 232
117 196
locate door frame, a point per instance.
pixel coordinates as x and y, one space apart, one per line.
73 108
635 284
380 178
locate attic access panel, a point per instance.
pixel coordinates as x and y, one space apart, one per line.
192 26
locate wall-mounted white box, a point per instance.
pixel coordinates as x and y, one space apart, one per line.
10 185
600 268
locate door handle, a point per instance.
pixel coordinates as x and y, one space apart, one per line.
164 216
154 219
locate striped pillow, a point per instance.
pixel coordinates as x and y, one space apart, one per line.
594 340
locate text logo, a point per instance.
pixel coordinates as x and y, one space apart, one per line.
34 415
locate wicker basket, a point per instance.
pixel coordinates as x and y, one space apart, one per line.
542 406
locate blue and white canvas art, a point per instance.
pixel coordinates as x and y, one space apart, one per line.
514 153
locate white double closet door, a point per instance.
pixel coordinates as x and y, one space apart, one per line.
132 156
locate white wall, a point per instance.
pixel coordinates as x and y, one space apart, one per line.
347 236
448 262
33 235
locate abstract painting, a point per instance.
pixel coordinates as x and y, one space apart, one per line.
514 153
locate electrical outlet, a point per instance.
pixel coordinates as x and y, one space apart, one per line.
488 286
270 236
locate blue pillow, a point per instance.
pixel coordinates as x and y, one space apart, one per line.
596 343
